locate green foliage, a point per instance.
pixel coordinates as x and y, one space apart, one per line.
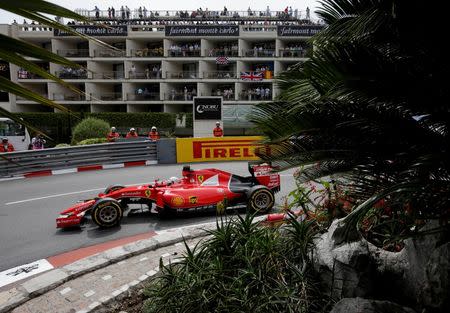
92 141
90 128
149 119
243 267
371 105
62 145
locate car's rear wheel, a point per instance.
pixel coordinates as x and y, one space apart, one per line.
260 199
107 213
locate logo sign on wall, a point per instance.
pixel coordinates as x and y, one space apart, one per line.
4 72
202 30
298 30
95 31
207 108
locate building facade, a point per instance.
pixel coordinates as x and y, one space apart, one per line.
160 66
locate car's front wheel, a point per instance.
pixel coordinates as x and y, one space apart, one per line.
260 199
107 213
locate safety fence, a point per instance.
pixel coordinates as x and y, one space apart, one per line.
15 163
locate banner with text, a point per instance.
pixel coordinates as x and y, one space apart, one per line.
95 31
202 30
298 30
218 149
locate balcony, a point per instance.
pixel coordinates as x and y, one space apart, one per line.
70 73
181 75
215 52
148 53
293 53
255 95
74 53
145 75
69 97
259 53
220 75
107 53
106 96
178 52
179 96
144 96
109 75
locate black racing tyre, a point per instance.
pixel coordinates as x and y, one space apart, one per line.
112 188
260 199
107 213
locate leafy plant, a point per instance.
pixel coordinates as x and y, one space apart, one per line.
242 267
90 128
92 141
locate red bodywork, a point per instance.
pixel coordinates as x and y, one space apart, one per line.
198 190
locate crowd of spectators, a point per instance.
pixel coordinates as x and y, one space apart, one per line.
187 49
227 93
258 93
72 73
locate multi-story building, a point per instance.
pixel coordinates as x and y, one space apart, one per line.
162 60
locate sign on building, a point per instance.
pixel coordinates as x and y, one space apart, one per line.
206 112
95 31
298 30
201 30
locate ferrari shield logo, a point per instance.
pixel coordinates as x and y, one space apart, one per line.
148 193
192 199
200 178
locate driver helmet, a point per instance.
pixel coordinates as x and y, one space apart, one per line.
174 179
153 128
113 129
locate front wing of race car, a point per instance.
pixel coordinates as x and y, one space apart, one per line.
74 215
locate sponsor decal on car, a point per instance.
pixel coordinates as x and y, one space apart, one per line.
136 193
192 199
177 201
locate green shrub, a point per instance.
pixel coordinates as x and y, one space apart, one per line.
62 145
90 128
243 267
91 141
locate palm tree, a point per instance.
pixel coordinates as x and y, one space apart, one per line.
371 105
15 51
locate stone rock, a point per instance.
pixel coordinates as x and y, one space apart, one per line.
358 305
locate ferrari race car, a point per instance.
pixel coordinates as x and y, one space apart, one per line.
198 190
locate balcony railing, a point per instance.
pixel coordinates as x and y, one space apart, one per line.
183 53
72 74
144 96
144 75
105 53
108 75
22 74
220 75
227 96
179 96
258 53
69 97
74 53
147 53
221 52
254 96
293 52
20 98
182 75
106 96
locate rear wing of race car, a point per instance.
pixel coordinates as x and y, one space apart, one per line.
265 174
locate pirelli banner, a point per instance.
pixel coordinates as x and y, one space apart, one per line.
218 149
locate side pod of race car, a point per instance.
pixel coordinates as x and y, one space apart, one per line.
198 190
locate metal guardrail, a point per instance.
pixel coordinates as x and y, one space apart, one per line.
14 163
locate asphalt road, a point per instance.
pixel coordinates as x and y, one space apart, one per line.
28 208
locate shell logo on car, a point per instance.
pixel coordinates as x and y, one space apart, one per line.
217 149
177 201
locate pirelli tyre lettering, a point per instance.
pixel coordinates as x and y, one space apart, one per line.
107 212
260 199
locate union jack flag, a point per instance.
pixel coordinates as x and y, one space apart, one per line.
222 60
252 75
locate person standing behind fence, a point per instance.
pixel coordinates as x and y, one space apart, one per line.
132 133
153 135
38 142
217 131
5 146
113 135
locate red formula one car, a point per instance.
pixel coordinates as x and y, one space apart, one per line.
198 190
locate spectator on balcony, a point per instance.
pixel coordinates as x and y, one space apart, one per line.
147 73
153 135
132 133
25 27
217 131
127 9
140 12
38 142
122 12
113 12
6 146
113 135
97 12
144 10
133 71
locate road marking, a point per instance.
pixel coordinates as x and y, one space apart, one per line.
64 194
23 271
